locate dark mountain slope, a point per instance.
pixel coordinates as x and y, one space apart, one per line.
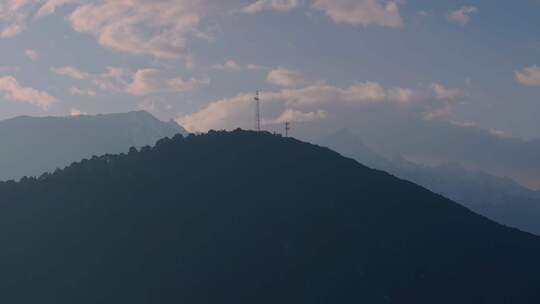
500 199
30 146
248 217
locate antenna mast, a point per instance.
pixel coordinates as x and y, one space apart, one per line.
287 128
258 111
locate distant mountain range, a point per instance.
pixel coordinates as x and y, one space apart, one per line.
434 142
30 146
500 199
250 217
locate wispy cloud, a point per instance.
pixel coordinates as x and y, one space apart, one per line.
462 16
14 91
50 6
32 54
276 5
362 12
291 115
71 72
82 92
150 81
139 83
232 65
284 77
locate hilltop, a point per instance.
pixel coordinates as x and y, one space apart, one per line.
249 217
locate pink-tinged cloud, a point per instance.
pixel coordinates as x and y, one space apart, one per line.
362 12
529 76
13 91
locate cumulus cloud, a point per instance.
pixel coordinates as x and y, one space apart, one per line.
362 12
159 28
32 54
139 83
277 5
12 90
284 77
529 76
308 103
318 101
462 16
221 114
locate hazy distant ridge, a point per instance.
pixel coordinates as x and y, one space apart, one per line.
30 146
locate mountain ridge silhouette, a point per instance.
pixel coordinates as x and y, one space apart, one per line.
250 217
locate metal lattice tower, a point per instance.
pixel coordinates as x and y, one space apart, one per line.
257 111
287 128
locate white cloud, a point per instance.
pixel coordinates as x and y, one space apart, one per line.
225 113
276 5
32 54
139 83
149 81
529 76
284 77
462 16
402 96
50 6
317 101
14 91
362 12
159 28
291 115
301 104
82 92
444 93
12 30
13 14
358 93
77 112
230 65
447 98
71 72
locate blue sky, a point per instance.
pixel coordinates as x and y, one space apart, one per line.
200 61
